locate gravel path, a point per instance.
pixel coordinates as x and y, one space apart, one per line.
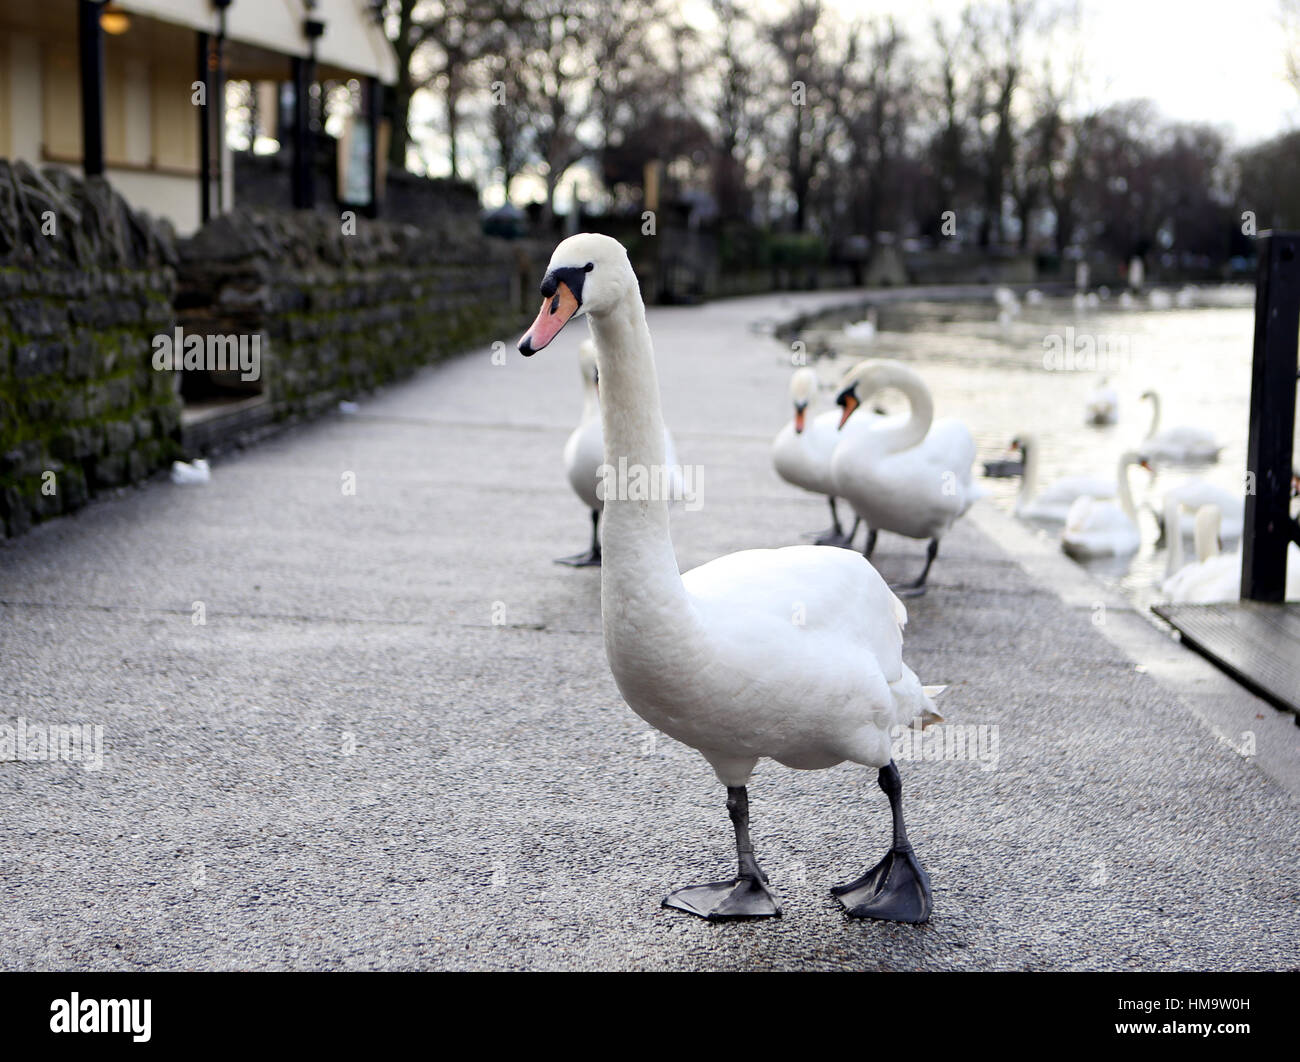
353 764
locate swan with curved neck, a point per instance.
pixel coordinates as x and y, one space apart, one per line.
584 453
1052 503
791 654
909 475
801 452
1100 528
1183 444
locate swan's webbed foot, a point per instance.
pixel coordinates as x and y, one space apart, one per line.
896 889
834 536
742 897
917 588
590 559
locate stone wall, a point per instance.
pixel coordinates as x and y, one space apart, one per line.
85 283
341 309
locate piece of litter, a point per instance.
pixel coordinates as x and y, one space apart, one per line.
198 472
348 407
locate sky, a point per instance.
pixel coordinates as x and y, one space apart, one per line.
1219 61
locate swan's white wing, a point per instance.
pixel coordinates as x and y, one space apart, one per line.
814 624
584 453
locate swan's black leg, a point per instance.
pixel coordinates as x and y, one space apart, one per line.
590 559
896 889
917 588
744 896
834 535
870 547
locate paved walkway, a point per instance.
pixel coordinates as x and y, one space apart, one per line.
351 765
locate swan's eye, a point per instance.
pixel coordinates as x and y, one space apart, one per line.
589 267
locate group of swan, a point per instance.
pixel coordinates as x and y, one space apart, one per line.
1100 516
802 452
1184 444
910 475
711 657
1213 576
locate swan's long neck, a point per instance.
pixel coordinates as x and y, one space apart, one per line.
1206 536
1029 473
638 566
911 432
1174 535
1155 415
1125 491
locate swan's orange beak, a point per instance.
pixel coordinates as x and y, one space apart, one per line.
850 403
798 419
553 316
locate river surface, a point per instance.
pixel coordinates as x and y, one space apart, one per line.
1031 367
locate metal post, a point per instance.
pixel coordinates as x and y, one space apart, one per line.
205 130
1269 526
90 41
304 193
218 102
374 113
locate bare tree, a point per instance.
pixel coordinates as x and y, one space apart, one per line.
812 80
558 84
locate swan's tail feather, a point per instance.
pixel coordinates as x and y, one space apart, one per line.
928 715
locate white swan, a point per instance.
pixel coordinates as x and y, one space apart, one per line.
910 475
584 453
1184 444
1214 576
1102 406
1052 503
865 330
801 452
1188 498
1098 528
792 654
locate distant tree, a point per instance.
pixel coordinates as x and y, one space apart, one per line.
1290 18
1269 183
558 84
811 79
736 110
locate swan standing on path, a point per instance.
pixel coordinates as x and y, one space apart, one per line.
1051 503
1098 528
584 453
911 476
801 452
792 654
1184 444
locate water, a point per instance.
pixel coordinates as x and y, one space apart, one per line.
991 374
